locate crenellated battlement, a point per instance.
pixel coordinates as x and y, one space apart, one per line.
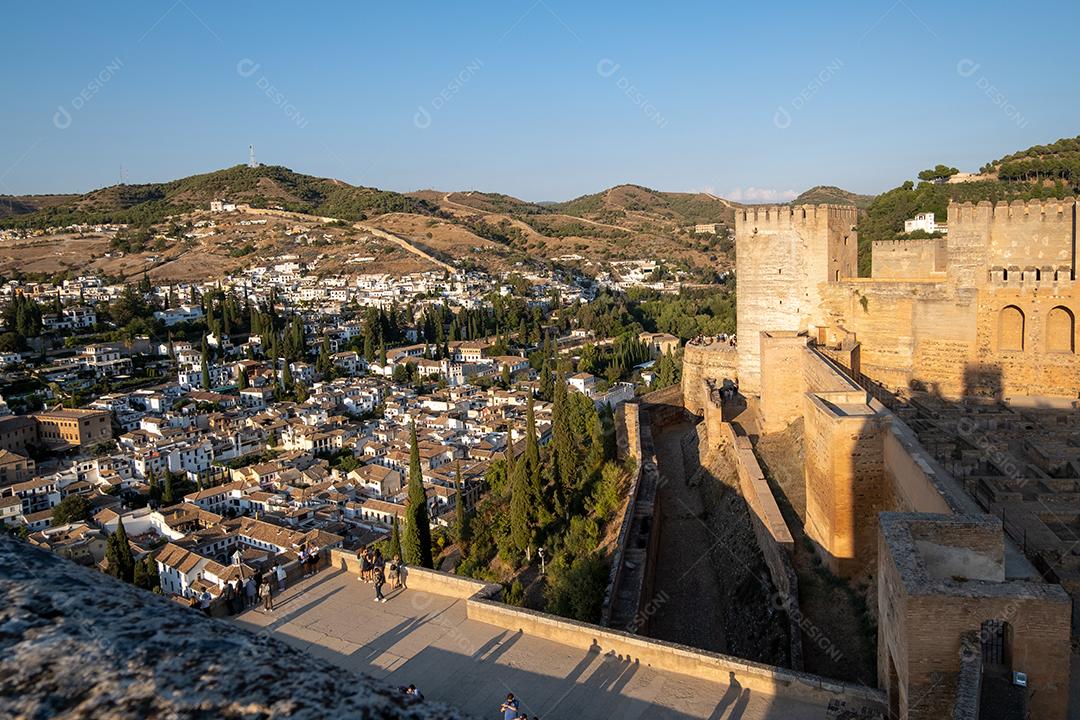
787 216
1046 210
1015 277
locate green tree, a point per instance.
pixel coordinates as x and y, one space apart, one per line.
146 575
73 508
118 553
416 544
938 173
322 364
521 521
666 372
395 539
563 455
576 589
532 448
205 364
168 492
461 519
155 489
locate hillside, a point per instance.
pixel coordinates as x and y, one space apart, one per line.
617 224
1042 171
634 202
263 186
1057 162
21 204
834 196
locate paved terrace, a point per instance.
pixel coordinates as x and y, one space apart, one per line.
424 638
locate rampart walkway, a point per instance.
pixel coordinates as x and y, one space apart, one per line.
427 639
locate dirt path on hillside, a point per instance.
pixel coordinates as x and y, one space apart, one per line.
713 579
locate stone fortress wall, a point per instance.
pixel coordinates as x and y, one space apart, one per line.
783 257
989 311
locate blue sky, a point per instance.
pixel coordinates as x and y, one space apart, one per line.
543 99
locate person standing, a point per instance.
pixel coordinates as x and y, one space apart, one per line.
281 577
267 596
249 593
228 595
393 573
509 708
204 602
365 564
377 576
377 561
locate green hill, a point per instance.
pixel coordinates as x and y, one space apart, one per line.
834 196
618 203
263 186
1042 171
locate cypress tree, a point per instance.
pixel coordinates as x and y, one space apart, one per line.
286 378
205 365
520 496
461 526
395 539
155 489
322 365
532 449
563 448
118 553
416 544
168 494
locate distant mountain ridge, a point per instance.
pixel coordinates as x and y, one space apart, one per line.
262 186
832 195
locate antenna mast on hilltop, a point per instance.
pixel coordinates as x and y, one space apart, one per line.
251 156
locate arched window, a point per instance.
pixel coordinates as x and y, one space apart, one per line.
1011 329
1060 331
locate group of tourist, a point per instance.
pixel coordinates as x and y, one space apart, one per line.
309 560
240 593
510 709
374 569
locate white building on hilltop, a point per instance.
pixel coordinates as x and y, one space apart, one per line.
925 222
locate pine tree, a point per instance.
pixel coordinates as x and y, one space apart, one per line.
416 543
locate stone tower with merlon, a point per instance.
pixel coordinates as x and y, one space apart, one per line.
783 256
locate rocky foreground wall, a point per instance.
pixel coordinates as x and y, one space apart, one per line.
75 643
